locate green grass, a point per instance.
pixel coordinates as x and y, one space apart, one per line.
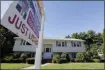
13 65
75 66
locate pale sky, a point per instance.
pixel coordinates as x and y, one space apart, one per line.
66 17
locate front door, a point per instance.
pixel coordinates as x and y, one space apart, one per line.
47 53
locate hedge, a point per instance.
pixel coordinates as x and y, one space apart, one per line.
30 60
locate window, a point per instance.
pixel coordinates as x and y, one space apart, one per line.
80 44
73 44
63 43
22 42
28 43
48 49
58 43
73 55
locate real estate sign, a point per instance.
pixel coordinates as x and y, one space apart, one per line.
24 19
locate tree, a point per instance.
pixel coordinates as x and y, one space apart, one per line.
75 35
102 48
98 39
80 57
93 41
82 35
103 34
93 50
67 36
91 33
6 40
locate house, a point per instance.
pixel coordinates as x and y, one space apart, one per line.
52 45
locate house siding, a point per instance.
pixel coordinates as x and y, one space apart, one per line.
47 43
69 48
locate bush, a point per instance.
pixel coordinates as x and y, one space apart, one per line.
7 59
80 57
64 58
16 60
87 57
96 57
30 60
16 55
96 60
72 60
67 57
56 58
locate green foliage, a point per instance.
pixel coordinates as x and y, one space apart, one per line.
6 41
80 57
30 60
72 60
56 58
93 41
18 60
91 33
7 59
63 55
16 55
64 58
102 48
103 34
96 60
87 56
75 35
93 50
67 57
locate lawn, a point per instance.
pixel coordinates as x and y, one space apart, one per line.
13 65
75 66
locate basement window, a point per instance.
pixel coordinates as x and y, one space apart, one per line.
28 43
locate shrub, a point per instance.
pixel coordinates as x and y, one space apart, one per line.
63 55
72 60
96 60
68 58
64 58
30 60
80 57
23 57
16 55
96 57
7 59
19 60
56 58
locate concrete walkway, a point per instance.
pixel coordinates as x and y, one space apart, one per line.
33 67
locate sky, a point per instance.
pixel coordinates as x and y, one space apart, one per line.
64 18
67 17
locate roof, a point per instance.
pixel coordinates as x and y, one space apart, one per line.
73 39
64 39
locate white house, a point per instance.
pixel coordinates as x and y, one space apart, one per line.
52 45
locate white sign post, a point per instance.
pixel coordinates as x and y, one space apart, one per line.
38 54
